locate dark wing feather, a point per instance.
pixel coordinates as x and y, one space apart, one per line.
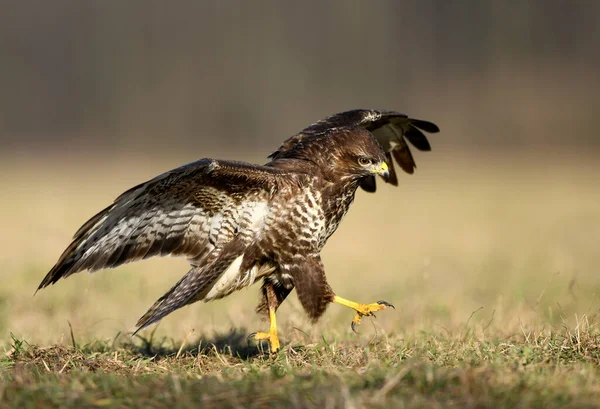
417 138
393 178
368 184
392 130
404 158
171 214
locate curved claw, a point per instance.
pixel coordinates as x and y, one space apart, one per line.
362 310
387 304
271 337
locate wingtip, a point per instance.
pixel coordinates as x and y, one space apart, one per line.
45 283
427 126
52 277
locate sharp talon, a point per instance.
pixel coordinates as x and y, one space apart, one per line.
353 325
250 338
387 304
372 314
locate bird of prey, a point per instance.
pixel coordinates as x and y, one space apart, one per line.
238 223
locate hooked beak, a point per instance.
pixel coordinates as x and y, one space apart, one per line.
384 171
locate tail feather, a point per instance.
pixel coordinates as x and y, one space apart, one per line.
192 287
173 299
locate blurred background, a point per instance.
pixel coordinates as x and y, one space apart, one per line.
97 96
191 75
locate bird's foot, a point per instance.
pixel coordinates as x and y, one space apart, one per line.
362 310
368 310
270 336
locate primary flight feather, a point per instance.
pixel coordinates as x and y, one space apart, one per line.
238 223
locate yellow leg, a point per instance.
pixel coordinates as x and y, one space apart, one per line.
362 310
270 336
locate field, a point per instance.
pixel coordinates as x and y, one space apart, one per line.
491 262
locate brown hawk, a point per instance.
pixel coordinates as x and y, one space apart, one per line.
238 223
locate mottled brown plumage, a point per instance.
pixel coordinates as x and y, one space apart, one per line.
238 223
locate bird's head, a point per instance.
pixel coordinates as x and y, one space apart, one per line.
357 155
344 154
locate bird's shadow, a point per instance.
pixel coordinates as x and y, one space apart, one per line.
235 343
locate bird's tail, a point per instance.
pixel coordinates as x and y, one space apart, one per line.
178 296
191 288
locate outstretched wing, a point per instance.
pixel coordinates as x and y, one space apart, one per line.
392 130
188 211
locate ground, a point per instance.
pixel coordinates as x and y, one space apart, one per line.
491 264
546 370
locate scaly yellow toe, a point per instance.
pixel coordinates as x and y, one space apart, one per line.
362 310
272 337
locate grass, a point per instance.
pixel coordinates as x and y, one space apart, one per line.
492 265
532 369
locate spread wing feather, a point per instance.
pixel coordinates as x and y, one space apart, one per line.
392 130
188 211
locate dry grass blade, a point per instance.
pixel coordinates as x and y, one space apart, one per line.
183 343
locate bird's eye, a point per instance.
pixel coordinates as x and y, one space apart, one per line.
362 161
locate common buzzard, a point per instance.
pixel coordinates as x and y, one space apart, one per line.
238 223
